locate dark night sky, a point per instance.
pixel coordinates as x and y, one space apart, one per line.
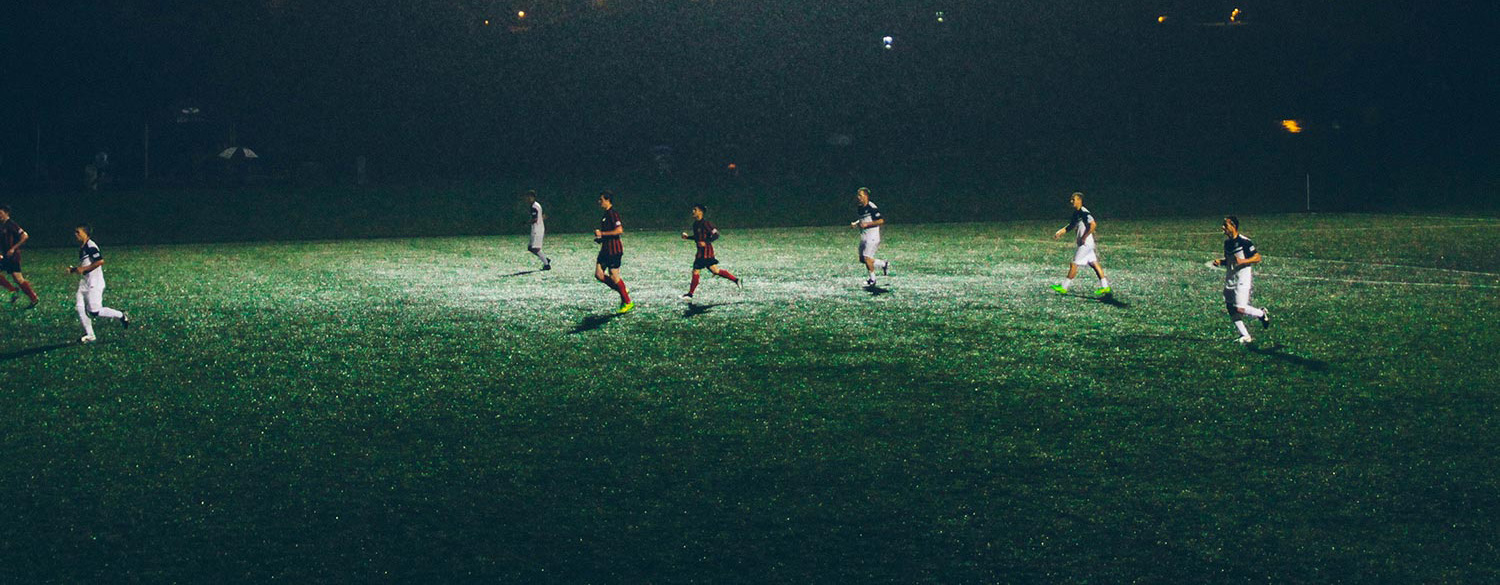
426 87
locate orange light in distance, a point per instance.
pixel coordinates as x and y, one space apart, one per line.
1234 16
1161 19
1292 126
521 14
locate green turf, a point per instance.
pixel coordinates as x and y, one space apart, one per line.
428 410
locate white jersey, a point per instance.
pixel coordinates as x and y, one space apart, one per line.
537 225
89 253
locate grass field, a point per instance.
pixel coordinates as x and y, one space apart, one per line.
431 410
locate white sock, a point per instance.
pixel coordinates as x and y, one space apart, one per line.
1252 311
109 313
88 323
1104 283
1240 325
872 275
1067 283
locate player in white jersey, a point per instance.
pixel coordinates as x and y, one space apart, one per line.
1085 255
90 271
538 230
868 224
1239 255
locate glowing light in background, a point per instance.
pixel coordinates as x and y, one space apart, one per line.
521 14
940 16
1292 126
887 41
1161 19
1234 16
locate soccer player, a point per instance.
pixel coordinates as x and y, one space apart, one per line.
607 265
1239 255
704 234
538 230
868 224
90 271
1083 221
11 238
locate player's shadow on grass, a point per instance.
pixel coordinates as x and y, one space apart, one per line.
592 322
30 351
876 290
521 273
1112 301
695 309
1278 351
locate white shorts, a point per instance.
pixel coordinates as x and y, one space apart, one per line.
1238 295
1085 254
90 297
868 244
536 240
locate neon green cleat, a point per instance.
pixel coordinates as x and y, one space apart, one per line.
1101 292
625 308
1062 290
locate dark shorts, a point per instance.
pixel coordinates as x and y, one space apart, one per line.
701 263
11 263
609 260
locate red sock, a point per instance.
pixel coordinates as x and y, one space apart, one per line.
694 288
624 295
6 283
726 274
26 286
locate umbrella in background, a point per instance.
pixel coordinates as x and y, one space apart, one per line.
231 152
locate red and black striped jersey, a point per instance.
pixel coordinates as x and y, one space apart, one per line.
10 235
610 244
705 233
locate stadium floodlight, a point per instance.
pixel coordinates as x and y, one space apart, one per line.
940 16
887 41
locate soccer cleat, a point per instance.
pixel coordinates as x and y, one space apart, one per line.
31 305
87 339
1062 290
625 308
547 266
1244 339
687 296
739 283
1101 291
1265 319
869 282
885 269
124 320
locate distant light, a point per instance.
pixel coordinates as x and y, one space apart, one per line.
1234 16
1292 126
486 22
521 14
887 41
940 16
1161 19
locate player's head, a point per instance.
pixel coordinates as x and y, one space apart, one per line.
862 195
4 213
531 196
1231 226
606 199
699 210
81 232
1077 199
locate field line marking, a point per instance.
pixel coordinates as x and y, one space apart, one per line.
1386 282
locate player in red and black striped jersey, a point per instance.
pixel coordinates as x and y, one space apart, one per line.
611 250
704 234
11 238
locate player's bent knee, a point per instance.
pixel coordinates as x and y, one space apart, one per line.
93 313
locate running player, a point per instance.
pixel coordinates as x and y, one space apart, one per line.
868 224
11 238
607 266
704 234
538 230
90 271
1239 255
1083 221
